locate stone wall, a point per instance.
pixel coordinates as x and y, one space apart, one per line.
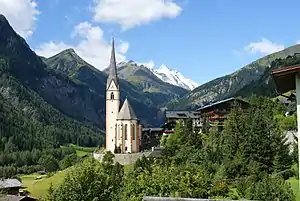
123 159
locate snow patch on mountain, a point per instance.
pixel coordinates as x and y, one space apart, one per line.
171 76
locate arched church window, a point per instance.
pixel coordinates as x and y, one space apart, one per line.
116 131
112 96
133 131
125 131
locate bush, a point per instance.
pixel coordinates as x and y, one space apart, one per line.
220 188
269 188
295 171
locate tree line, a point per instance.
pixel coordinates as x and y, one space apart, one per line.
31 129
247 160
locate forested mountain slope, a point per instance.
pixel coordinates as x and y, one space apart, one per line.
32 99
232 85
147 94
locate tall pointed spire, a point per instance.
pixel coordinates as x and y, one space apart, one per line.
113 67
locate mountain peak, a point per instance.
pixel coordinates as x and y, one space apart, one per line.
67 61
3 19
5 28
174 77
69 54
69 50
164 73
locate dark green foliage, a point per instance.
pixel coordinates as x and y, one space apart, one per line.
40 110
248 156
254 137
268 188
288 123
250 147
68 161
27 162
167 181
90 180
49 162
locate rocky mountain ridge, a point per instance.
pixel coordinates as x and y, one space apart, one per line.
233 84
166 74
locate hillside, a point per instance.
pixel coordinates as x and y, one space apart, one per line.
233 84
265 86
145 80
146 93
31 116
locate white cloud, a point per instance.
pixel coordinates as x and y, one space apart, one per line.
51 48
124 47
298 42
131 13
21 14
149 64
264 46
92 47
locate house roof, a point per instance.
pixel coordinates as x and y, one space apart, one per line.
285 78
113 67
284 100
220 102
126 112
152 129
182 114
10 183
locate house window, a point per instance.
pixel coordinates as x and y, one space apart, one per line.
112 96
125 131
133 131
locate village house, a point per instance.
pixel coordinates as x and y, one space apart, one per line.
11 191
151 137
216 113
175 116
11 186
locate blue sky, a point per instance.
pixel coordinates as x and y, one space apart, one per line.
203 39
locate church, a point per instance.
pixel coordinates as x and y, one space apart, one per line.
123 128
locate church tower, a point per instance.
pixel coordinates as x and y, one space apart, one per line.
112 103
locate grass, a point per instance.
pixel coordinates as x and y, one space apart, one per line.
128 167
82 151
294 185
39 188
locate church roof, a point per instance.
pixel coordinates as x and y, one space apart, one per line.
126 112
113 67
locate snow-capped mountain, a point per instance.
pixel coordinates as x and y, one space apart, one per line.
167 75
174 77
